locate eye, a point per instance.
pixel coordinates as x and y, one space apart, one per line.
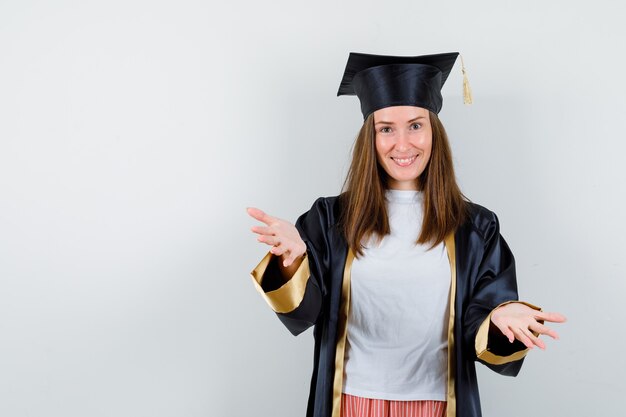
416 126
385 129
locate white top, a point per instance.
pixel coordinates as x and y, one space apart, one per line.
397 341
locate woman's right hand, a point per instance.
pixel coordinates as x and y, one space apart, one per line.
280 234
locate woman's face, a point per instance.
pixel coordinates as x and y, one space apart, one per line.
404 140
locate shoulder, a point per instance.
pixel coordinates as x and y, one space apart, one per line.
319 225
327 207
329 201
324 212
481 220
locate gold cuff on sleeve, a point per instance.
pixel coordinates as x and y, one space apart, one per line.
482 341
289 296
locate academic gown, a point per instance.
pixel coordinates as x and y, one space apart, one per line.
318 294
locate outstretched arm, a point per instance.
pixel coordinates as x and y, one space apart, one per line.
494 319
291 276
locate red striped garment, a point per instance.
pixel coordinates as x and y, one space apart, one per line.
353 406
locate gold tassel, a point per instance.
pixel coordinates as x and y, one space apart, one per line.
467 91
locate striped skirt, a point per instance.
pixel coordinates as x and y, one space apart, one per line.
353 406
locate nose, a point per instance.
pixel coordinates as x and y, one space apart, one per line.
403 142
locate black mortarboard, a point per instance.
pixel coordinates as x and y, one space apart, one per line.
381 81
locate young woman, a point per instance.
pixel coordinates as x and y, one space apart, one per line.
406 282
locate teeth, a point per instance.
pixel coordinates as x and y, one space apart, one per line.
404 160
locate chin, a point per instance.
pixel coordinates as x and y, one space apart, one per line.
404 178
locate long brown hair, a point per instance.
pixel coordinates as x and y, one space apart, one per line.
364 211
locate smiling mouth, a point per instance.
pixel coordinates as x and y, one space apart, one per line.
403 162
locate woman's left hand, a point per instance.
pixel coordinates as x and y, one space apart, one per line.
517 321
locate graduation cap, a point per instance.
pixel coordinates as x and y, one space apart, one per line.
381 81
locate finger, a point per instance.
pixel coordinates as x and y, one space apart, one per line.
263 230
260 215
289 260
507 333
279 250
551 317
534 339
519 335
295 255
270 240
541 329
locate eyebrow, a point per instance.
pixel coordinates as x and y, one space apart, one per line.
383 122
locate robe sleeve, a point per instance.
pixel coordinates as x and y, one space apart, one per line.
495 285
298 301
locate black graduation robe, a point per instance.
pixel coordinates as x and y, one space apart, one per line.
483 277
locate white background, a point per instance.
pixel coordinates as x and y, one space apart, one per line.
133 134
